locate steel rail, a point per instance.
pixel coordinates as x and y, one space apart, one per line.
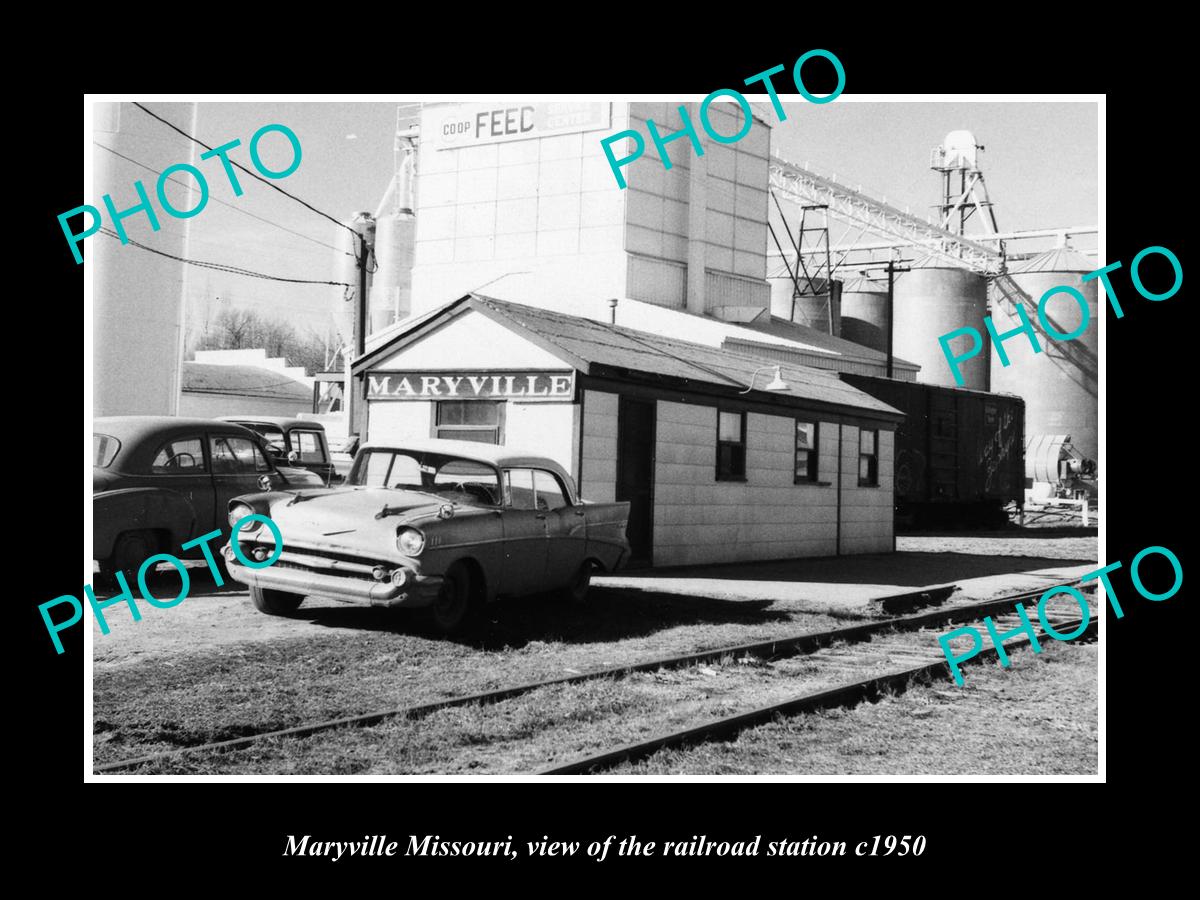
777 648
843 695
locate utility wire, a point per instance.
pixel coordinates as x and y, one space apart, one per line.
221 267
232 206
269 184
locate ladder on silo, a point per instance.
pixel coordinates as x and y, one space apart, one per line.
1079 363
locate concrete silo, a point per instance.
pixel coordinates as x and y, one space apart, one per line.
930 300
395 240
813 305
864 313
1059 384
138 313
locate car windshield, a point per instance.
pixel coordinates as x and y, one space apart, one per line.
457 480
104 449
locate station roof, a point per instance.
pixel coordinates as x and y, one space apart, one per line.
602 349
245 381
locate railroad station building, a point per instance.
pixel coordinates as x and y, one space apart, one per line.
798 465
630 334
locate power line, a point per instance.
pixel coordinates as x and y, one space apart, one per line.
232 206
221 267
269 184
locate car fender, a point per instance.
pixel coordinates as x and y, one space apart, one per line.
136 509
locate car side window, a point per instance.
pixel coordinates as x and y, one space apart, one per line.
308 444
518 488
236 455
181 456
550 495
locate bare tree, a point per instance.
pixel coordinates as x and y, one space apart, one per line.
240 329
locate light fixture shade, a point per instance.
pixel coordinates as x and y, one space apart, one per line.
777 383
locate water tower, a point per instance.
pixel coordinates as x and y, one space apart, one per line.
963 190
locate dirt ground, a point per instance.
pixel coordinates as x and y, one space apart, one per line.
214 667
983 564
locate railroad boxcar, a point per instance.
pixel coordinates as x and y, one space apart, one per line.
960 454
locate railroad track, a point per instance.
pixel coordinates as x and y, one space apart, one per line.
779 648
928 668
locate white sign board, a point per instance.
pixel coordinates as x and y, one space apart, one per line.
469 124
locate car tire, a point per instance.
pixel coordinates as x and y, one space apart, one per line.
131 549
577 590
275 603
453 608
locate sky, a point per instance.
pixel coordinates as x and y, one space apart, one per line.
1040 166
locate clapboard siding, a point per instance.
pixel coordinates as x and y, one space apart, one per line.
700 519
598 478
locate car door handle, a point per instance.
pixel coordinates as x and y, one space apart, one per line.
540 516
580 512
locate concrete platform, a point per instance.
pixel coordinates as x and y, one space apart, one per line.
849 583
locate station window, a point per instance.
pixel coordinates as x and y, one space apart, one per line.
470 420
731 446
868 457
806 451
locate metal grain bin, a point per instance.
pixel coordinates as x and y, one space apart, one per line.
1060 383
931 300
811 306
864 313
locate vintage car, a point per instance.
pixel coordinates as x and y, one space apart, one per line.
160 481
444 525
294 442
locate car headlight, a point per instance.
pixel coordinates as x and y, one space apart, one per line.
410 541
239 511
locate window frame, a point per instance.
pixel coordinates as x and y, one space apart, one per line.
731 476
813 476
260 454
500 406
317 438
872 479
506 498
562 489
202 469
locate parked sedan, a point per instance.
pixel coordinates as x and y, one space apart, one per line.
160 481
293 442
445 525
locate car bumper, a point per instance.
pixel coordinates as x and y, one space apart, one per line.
417 590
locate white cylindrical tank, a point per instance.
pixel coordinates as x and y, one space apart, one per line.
1059 384
961 150
391 290
864 313
138 295
344 300
932 300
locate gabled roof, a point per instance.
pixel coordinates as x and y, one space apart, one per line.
600 349
249 381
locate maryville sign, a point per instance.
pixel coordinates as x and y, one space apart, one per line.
471 386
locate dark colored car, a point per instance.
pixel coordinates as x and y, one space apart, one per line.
294 442
161 481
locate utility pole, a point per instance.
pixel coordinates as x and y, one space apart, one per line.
891 309
364 227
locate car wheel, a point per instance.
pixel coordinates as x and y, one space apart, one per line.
275 603
577 590
452 609
131 550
